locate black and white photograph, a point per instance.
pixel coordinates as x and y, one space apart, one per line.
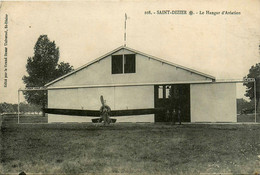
130 87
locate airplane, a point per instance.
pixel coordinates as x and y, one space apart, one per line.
97 113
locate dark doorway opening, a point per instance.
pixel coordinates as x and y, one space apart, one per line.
172 98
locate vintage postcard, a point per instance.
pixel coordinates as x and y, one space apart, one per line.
130 87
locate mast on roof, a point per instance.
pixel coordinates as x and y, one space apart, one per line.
125 31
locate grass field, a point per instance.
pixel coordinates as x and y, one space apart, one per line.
130 148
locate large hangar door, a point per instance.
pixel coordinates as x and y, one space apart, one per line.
172 97
213 102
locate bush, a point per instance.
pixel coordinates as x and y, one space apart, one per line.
24 107
244 106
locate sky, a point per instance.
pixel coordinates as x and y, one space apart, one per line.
224 46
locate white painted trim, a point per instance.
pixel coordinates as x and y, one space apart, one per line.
121 85
32 89
133 84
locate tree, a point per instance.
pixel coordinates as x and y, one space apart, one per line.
42 68
64 68
7 107
243 105
254 72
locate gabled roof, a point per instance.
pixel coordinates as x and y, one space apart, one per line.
135 51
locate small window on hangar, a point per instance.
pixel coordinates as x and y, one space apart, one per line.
123 64
117 64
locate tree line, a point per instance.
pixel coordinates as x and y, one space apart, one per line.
23 108
245 107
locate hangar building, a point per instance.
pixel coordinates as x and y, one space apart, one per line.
130 79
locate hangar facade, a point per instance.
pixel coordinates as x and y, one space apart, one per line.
130 79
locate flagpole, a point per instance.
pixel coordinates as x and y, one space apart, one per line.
125 31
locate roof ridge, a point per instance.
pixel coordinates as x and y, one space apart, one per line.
171 63
83 66
132 50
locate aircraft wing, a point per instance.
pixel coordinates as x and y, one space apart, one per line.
96 113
